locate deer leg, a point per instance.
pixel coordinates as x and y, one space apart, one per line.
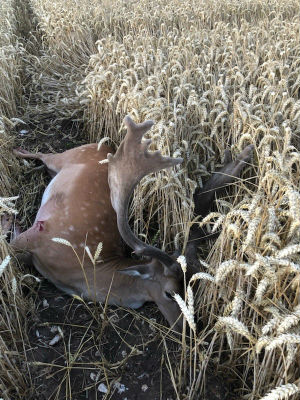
220 179
203 199
53 162
18 241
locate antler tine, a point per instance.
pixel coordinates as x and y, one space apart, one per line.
126 168
137 130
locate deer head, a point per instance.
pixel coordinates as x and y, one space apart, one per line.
126 168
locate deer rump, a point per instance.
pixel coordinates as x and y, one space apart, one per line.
86 203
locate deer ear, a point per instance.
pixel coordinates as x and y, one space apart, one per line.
144 271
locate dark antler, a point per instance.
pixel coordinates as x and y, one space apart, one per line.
126 168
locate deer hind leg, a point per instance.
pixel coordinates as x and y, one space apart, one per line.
53 162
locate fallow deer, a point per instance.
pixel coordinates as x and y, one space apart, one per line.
87 203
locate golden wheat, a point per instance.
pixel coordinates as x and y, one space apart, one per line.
210 77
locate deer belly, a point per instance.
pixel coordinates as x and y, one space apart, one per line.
47 192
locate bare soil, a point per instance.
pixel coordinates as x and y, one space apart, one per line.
119 343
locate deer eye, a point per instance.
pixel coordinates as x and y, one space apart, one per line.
169 295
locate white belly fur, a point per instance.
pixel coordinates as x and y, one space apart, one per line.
47 191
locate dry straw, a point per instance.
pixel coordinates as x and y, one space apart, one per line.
14 370
206 89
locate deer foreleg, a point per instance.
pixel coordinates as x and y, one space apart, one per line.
18 241
220 179
203 199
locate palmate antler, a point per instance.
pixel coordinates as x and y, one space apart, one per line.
126 168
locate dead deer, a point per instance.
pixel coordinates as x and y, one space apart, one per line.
87 203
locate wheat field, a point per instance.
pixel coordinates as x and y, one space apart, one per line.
212 75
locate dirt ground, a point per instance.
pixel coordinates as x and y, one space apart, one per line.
90 345
84 351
